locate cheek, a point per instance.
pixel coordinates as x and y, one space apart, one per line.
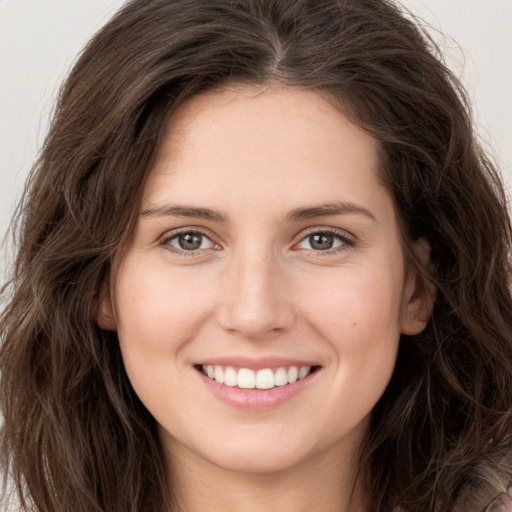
357 315
353 306
158 315
158 308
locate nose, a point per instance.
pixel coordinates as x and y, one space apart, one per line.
254 300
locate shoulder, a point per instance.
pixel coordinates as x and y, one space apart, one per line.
502 503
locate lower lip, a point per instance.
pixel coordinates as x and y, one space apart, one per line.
256 399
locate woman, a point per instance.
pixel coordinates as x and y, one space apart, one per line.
262 262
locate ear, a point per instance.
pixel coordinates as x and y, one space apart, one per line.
419 296
105 316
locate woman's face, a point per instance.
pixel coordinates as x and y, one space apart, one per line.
265 245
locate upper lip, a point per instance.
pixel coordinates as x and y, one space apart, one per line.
255 363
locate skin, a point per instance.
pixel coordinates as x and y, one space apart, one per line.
258 287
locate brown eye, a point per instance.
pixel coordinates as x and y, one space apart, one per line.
321 241
190 241
324 241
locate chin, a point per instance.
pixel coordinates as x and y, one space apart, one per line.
256 463
258 453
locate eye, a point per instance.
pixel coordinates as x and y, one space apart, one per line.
324 241
189 241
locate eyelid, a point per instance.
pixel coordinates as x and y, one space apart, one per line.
172 234
348 240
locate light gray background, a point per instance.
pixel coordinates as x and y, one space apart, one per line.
39 40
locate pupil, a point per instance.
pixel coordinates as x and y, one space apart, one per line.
322 241
189 241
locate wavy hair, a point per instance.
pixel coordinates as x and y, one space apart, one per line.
74 435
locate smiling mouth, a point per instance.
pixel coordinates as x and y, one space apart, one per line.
265 378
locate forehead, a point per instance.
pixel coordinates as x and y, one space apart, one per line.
264 147
259 116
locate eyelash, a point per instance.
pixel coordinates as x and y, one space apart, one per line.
182 252
346 241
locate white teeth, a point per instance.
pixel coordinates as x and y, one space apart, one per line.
265 378
230 377
304 370
280 378
246 378
219 375
293 374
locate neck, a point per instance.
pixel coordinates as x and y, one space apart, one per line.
326 482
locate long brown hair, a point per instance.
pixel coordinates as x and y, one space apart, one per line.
74 435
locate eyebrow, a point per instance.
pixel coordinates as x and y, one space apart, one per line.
184 211
328 210
297 215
